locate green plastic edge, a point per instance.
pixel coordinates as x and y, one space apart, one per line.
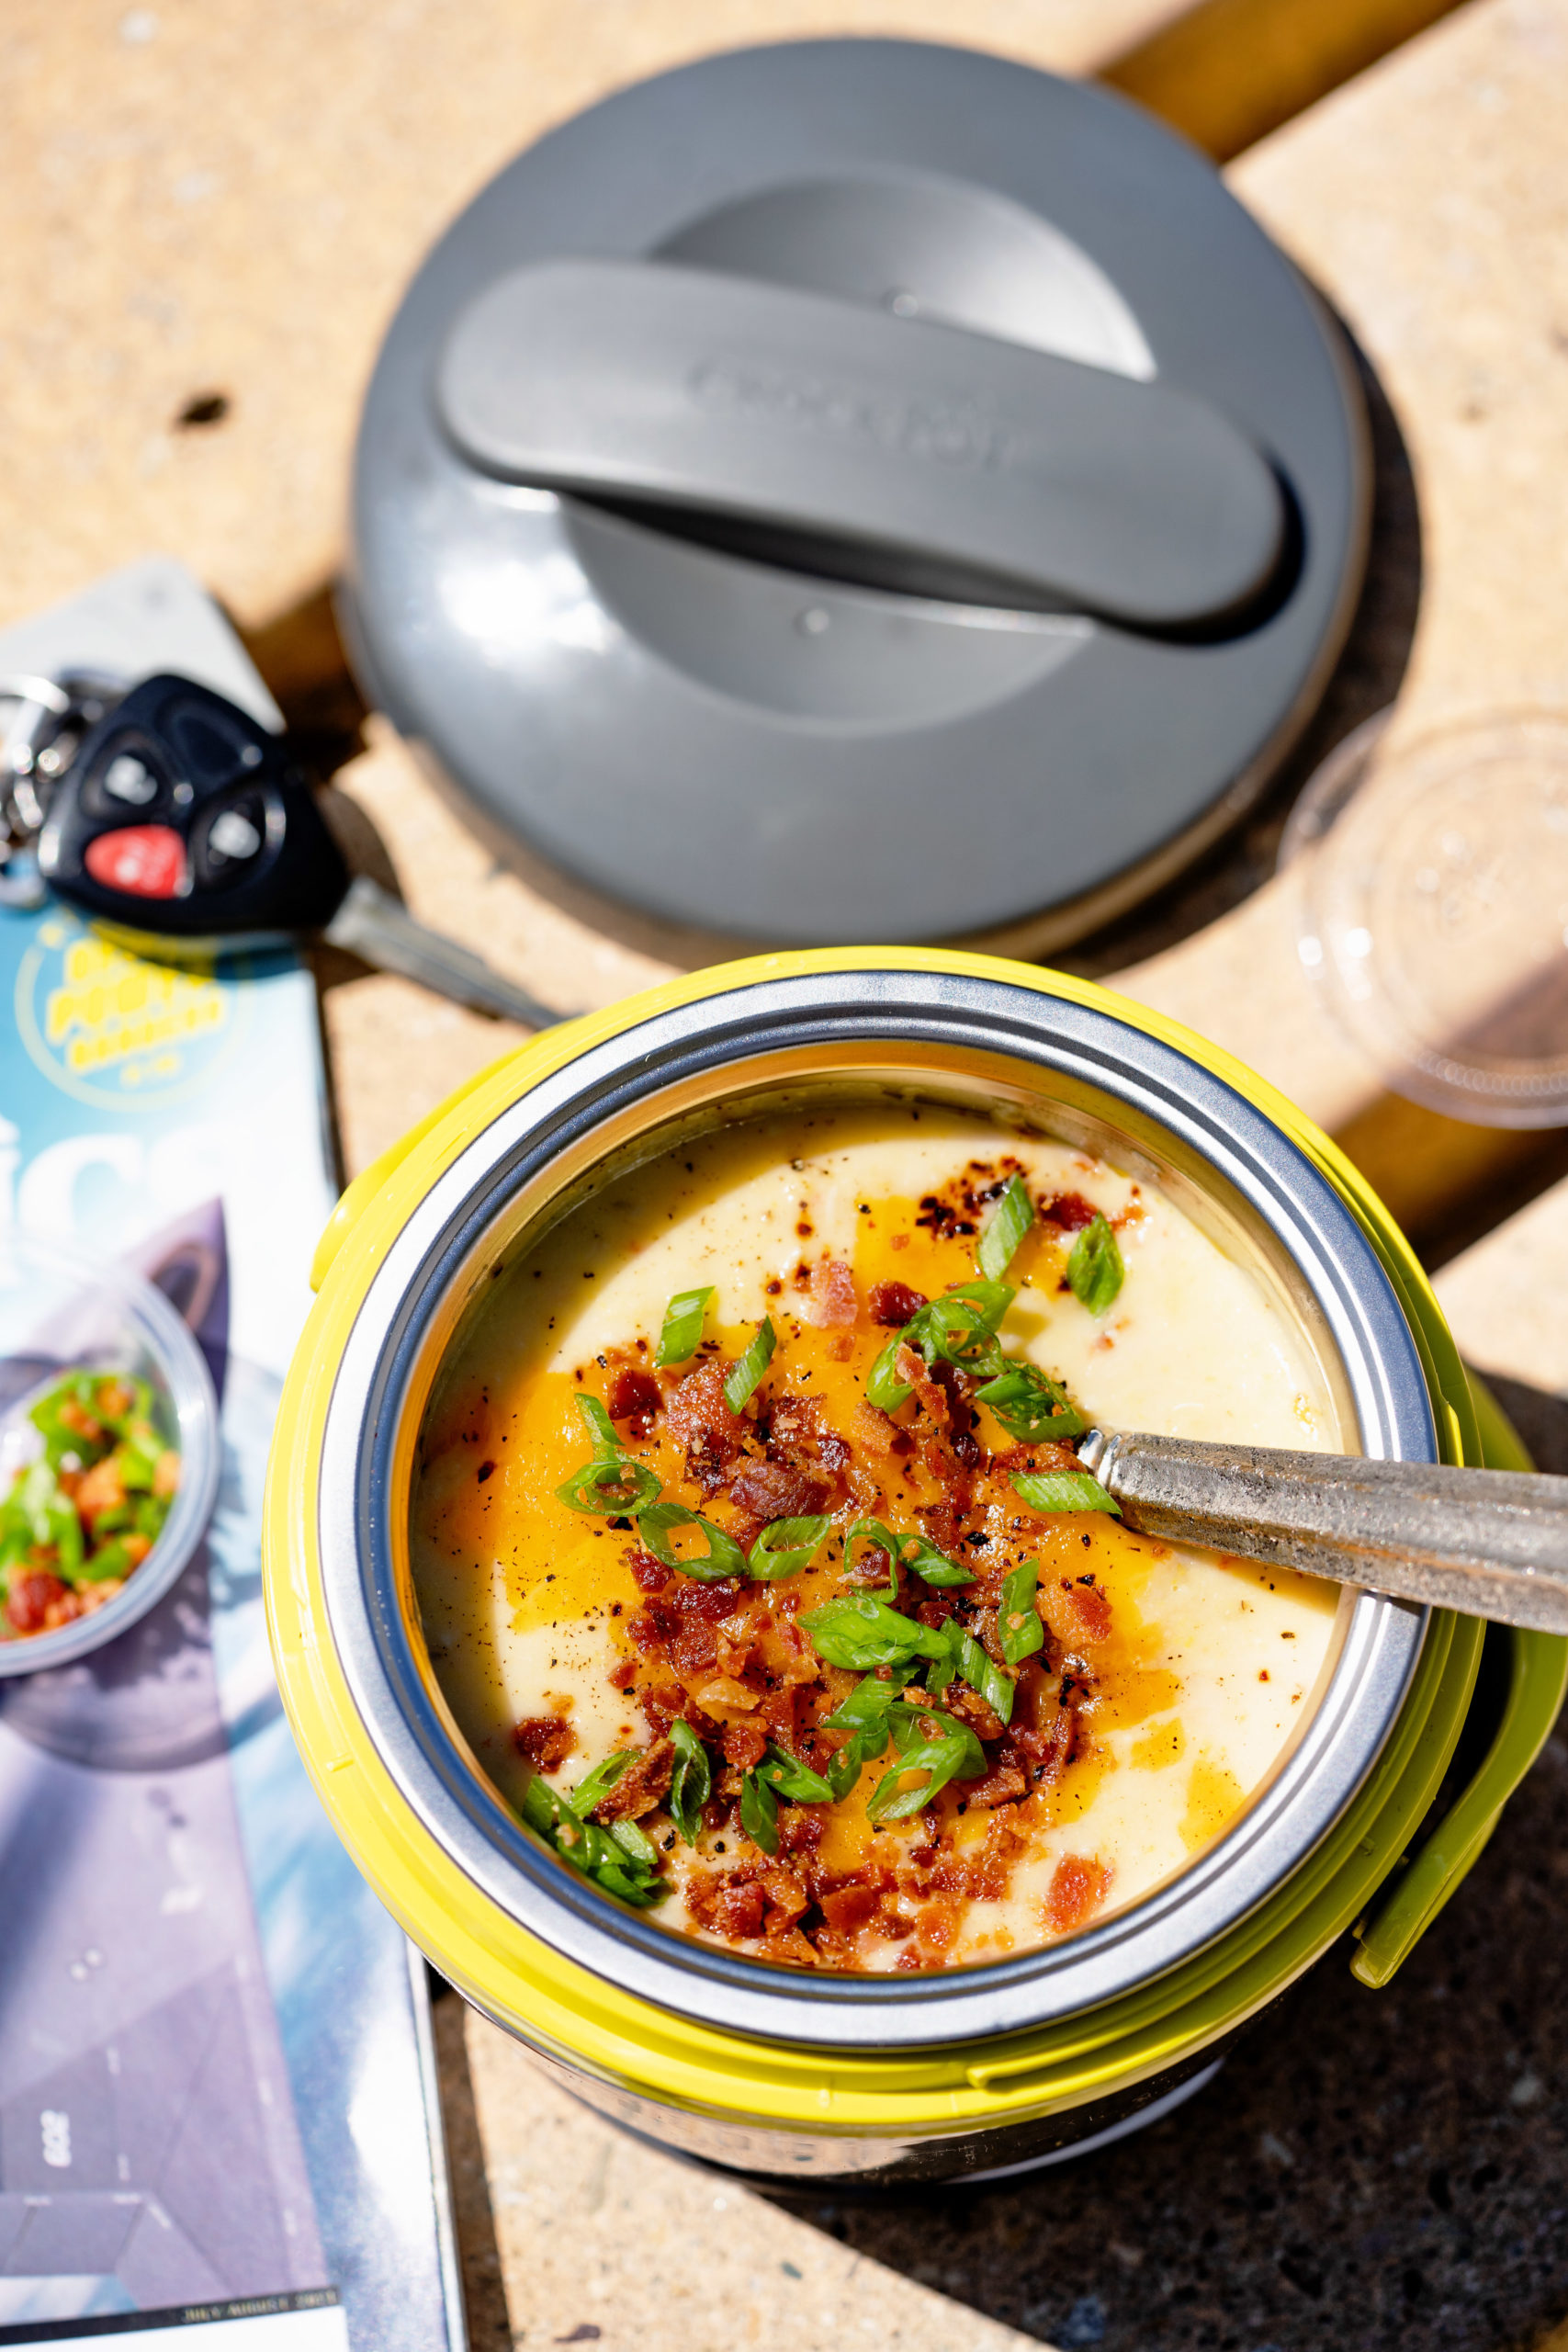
1537 1681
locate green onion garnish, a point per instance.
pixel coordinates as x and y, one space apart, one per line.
617 1489
1005 1228
614 1484
621 1866
958 1328
1047 1491
860 1631
722 1558
864 1715
786 1546
742 1377
1029 1404
789 1778
956 1754
691 1783
759 1813
683 1332
1018 1619
1094 1271
981 1673
599 1782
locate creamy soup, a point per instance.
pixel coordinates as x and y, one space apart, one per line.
758 1572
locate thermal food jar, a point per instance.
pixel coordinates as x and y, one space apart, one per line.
975 2072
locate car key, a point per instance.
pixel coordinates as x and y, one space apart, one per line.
182 816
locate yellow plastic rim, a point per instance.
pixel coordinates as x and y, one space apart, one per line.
589 2025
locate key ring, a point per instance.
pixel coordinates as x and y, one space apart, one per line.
38 747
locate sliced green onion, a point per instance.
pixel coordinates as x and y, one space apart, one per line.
933 1566
1005 1228
691 1783
883 1386
789 1778
858 1631
1047 1491
614 1484
759 1813
618 1488
742 1377
722 1558
614 1864
786 1546
607 1446
864 1715
981 1673
956 1754
958 1328
1094 1271
683 1332
1029 1404
1018 1619
636 1843
600 1782
872 1531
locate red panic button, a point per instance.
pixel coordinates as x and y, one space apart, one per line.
145 861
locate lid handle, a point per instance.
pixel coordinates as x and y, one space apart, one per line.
941 460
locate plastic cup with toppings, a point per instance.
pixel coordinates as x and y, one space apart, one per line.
109 1452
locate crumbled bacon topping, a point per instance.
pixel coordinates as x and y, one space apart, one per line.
543 1740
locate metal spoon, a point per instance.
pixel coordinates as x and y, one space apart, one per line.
1489 1542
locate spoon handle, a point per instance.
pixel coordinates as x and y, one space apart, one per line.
1489 1542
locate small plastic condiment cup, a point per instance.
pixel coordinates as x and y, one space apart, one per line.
60 1312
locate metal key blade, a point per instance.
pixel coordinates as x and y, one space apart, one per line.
1491 1544
378 928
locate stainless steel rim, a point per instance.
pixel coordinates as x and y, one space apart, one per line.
1154 1087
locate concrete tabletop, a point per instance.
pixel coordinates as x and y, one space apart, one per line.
210 216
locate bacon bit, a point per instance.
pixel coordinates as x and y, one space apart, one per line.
744 1746
1077 1888
790 1950
873 1429
166 1474
93 1595
100 1489
76 1417
1002 1785
800 1830
1076 1613
664 1703
701 1420
651 1574
622 1677
641 1787
31 1599
1046 1456
543 1740
834 1306
893 1303
911 1369
635 1398
724 1691
787 1899
768 1490
1046 1745
728 1901
1070 1211
936 1926
850 1909
971 1709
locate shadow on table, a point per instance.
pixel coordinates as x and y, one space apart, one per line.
1373 2169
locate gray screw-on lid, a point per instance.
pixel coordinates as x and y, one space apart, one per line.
856 490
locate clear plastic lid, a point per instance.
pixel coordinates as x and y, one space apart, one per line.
1432 908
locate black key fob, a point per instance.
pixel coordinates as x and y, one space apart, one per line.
181 815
